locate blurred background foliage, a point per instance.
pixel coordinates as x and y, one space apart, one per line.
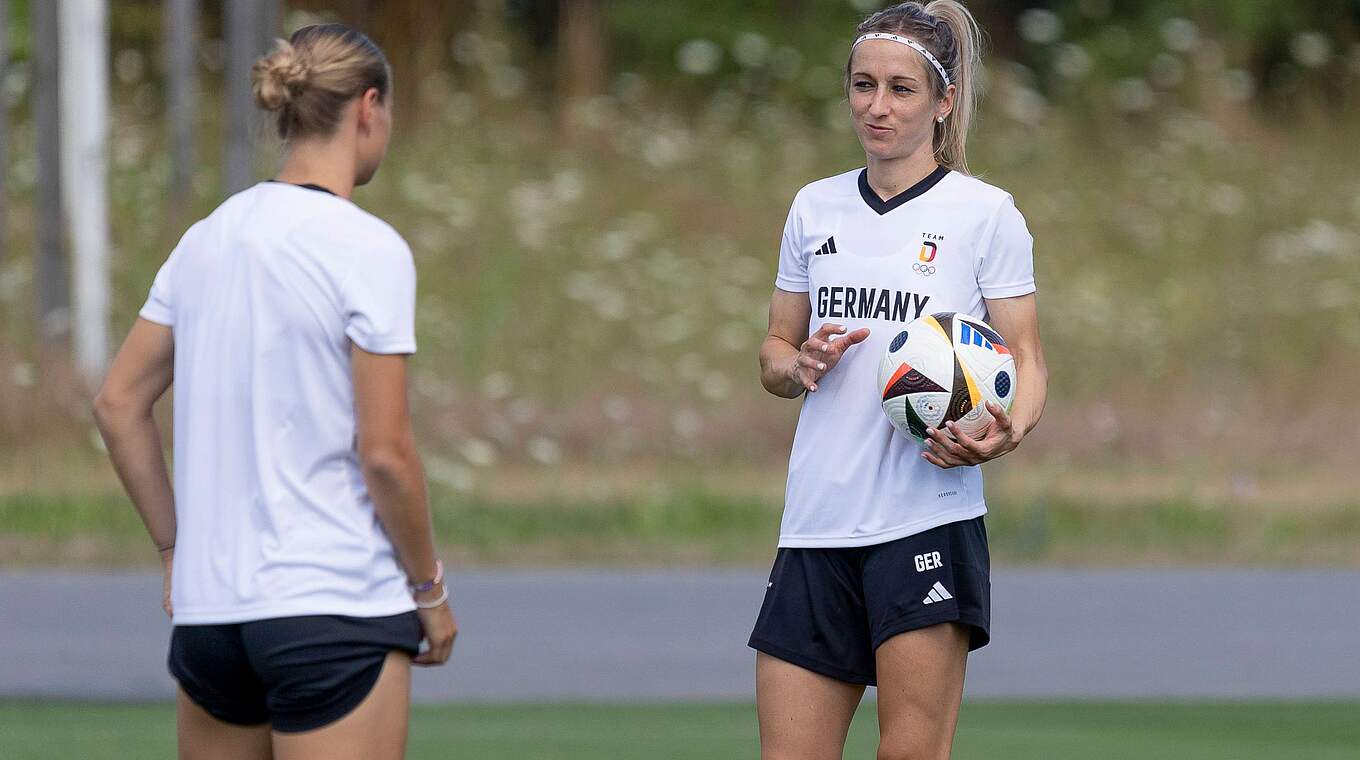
594 192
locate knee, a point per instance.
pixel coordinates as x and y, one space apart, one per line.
913 748
822 750
775 754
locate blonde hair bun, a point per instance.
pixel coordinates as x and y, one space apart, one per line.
278 77
308 80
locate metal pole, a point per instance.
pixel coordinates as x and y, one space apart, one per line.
51 292
84 96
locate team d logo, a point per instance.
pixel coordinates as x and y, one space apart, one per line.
925 263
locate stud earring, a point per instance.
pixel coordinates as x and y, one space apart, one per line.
939 119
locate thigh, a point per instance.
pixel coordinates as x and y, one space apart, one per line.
939 576
814 615
375 730
317 669
803 715
203 737
920 686
220 704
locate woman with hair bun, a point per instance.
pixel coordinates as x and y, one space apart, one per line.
297 546
882 573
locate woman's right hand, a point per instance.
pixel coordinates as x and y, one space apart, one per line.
821 352
439 628
167 571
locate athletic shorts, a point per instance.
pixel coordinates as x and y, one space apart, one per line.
295 673
828 610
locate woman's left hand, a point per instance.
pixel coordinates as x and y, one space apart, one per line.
954 449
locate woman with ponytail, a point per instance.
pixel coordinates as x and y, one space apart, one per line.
297 548
882 573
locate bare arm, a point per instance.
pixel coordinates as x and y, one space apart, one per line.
140 374
1017 320
791 361
396 481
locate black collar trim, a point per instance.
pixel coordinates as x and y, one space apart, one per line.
308 186
881 206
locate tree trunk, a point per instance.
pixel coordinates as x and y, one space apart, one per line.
580 56
414 34
243 47
268 26
84 98
181 27
4 129
581 48
51 292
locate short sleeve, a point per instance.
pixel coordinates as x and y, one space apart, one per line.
379 299
1005 266
793 265
160 303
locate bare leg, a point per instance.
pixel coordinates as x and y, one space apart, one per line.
920 686
203 737
803 715
375 730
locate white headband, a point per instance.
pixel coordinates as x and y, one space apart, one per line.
913 44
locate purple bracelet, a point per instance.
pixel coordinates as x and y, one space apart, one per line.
430 584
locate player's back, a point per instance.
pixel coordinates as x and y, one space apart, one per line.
262 296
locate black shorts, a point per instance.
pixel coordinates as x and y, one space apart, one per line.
828 610
296 673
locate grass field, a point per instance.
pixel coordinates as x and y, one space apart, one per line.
1016 731
688 526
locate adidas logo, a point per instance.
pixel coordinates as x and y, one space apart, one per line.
937 594
828 248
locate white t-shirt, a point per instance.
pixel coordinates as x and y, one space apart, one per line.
264 297
944 244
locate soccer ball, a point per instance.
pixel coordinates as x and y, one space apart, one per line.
943 367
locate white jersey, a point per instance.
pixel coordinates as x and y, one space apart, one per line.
944 244
264 297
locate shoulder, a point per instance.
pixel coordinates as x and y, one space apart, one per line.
828 189
339 225
375 233
964 188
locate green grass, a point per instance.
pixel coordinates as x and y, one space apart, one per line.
1013 730
689 524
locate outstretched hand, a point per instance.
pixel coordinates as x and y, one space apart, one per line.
951 448
822 351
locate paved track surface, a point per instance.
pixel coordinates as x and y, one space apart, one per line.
583 635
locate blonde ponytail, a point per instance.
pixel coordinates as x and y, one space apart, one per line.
951 136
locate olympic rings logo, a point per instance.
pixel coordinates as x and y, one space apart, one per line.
924 269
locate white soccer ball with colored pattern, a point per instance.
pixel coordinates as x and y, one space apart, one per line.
944 367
